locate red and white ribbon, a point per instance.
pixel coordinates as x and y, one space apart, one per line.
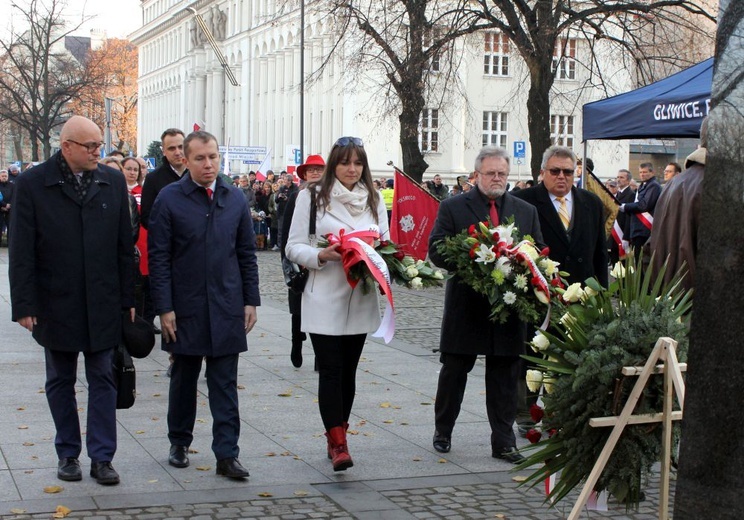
618 236
646 219
356 247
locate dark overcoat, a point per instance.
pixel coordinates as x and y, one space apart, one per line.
582 251
202 261
646 198
71 263
466 327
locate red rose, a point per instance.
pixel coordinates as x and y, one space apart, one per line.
535 281
471 230
399 255
495 236
545 252
537 413
552 432
473 250
534 436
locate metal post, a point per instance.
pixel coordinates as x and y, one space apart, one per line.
302 81
107 131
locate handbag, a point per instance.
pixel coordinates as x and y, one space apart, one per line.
295 276
125 378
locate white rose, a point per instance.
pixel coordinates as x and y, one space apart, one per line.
412 272
589 292
548 383
540 342
438 275
534 380
416 283
573 293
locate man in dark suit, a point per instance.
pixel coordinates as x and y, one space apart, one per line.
624 194
467 330
571 219
71 263
171 170
204 278
641 211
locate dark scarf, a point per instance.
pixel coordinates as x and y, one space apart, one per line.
81 187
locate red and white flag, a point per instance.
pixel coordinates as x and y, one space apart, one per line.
264 167
199 125
619 237
414 213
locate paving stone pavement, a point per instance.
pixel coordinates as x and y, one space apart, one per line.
397 474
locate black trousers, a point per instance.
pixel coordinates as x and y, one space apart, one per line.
222 383
337 357
502 376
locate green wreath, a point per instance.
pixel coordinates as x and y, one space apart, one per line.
601 331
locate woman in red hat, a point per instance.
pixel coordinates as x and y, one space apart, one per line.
309 173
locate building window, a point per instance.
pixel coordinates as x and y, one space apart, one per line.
494 129
564 59
430 130
496 54
562 130
432 35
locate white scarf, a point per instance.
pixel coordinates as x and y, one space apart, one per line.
355 200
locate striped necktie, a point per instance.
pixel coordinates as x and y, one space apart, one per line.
563 212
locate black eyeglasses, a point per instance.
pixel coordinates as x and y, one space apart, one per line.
91 147
346 141
555 172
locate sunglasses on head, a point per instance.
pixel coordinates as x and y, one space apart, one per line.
346 141
555 172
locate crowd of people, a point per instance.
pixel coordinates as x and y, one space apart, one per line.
95 242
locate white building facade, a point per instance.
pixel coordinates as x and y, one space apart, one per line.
182 83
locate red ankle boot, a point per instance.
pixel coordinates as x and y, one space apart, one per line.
330 454
339 450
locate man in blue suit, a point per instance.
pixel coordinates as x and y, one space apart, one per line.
204 282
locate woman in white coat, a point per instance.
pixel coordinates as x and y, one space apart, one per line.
336 316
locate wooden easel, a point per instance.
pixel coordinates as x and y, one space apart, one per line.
665 352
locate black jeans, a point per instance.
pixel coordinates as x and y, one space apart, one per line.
337 357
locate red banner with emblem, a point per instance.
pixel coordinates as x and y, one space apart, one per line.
414 213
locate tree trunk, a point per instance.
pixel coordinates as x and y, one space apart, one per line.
538 113
413 160
710 480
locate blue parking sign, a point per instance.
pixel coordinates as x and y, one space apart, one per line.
520 149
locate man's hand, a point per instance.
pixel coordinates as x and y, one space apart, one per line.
250 317
131 314
168 326
27 322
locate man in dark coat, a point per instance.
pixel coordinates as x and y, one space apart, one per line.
467 330
641 211
71 264
171 170
204 279
6 203
624 194
577 239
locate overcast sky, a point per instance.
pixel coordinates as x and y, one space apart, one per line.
118 18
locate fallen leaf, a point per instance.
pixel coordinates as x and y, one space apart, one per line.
17 511
29 472
288 393
28 443
203 468
416 459
241 387
301 493
152 481
297 457
34 457
265 494
42 391
61 512
519 478
499 515
271 454
385 405
396 407
352 432
156 395
154 418
404 424
140 432
426 404
23 427
53 489
388 421
442 461
21 408
362 422
393 374
201 421
192 450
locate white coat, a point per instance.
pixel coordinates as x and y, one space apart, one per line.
329 305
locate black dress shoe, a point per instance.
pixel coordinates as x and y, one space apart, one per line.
179 457
296 355
231 468
104 473
69 470
441 443
510 454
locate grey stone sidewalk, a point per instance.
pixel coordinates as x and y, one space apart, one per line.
397 474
